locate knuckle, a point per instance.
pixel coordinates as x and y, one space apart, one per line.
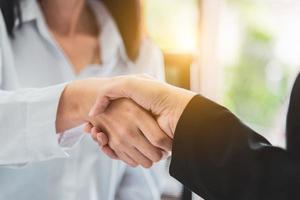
131 135
147 164
160 141
127 134
157 156
104 139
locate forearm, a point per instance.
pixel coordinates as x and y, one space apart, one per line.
218 157
31 117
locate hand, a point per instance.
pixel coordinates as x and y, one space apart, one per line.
131 131
164 101
76 101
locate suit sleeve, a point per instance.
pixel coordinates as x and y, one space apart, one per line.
218 157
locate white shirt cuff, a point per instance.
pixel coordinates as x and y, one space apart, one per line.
41 137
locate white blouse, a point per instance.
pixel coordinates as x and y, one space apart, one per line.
33 72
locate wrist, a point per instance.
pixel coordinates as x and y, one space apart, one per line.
183 97
76 102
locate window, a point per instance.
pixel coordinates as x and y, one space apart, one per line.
173 24
246 53
259 54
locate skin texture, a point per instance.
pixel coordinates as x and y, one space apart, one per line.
124 119
162 100
75 29
146 141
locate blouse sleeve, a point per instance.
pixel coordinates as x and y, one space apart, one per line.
27 116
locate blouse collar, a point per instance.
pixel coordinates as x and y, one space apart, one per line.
111 42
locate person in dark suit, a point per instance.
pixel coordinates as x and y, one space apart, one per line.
214 154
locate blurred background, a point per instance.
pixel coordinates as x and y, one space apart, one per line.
244 54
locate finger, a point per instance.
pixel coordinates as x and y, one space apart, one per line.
133 87
126 140
133 137
100 106
109 152
102 137
125 158
94 133
153 132
141 143
87 127
138 157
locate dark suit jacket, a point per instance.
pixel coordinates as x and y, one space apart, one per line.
218 157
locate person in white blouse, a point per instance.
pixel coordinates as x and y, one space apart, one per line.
43 49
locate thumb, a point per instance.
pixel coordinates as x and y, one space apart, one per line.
99 106
142 90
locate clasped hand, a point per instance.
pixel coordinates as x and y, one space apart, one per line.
128 132
135 119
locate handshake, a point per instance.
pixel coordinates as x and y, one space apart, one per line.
132 118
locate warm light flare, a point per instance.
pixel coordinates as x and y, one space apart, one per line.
174 26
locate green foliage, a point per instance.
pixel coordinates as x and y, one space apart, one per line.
249 93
